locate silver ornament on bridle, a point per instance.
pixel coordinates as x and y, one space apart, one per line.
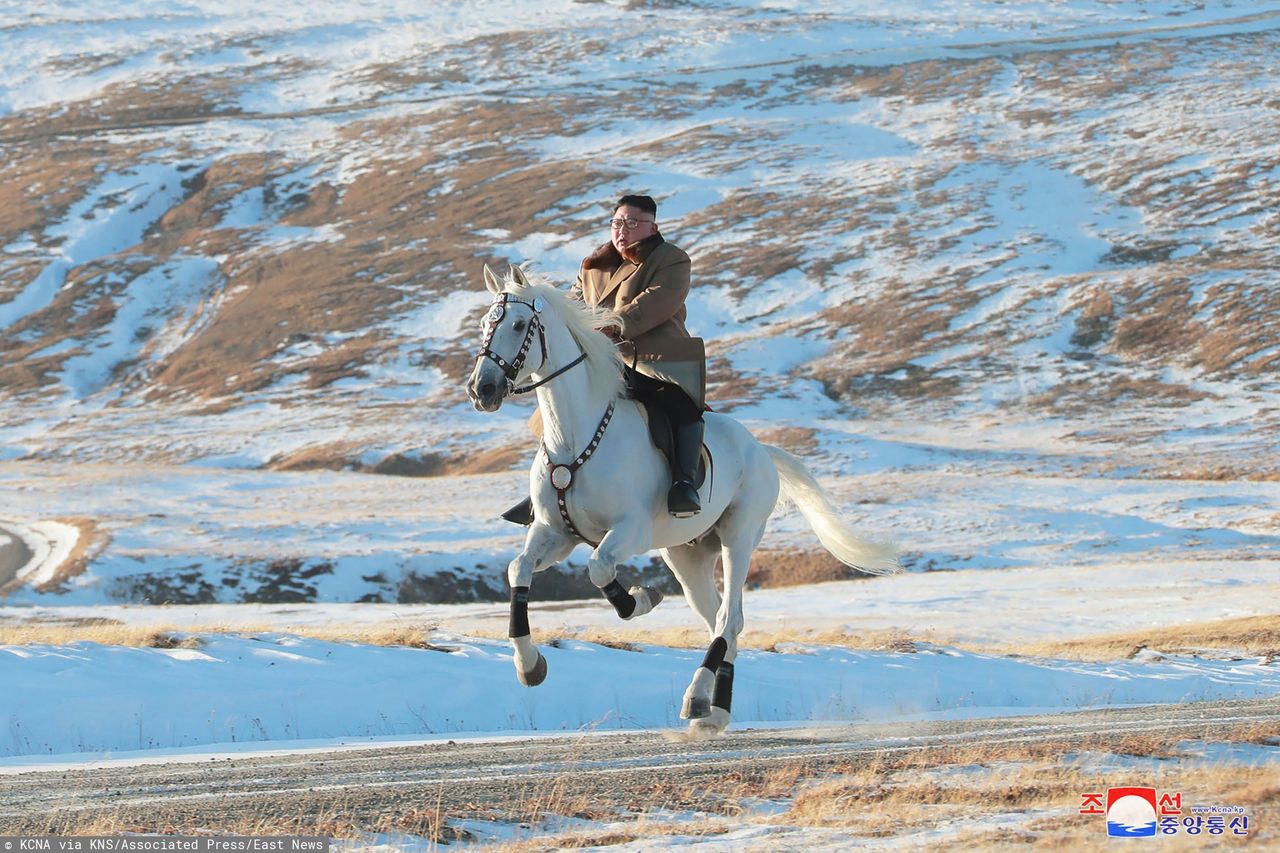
511 369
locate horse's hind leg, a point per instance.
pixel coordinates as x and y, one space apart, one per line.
739 542
694 566
542 547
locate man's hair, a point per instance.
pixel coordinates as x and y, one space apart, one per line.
641 202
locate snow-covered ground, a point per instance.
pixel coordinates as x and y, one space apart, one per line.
264 682
267 686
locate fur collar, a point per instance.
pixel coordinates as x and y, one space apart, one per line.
606 257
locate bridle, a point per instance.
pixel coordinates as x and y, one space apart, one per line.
511 369
561 476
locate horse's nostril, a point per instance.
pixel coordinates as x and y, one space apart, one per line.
488 389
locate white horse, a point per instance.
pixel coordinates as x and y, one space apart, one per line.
598 479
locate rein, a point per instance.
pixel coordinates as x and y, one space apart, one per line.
525 389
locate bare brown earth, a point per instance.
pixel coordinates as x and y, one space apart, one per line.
1251 635
330 457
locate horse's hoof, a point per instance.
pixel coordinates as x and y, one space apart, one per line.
646 598
535 676
695 708
713 724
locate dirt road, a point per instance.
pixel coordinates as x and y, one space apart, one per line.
506 780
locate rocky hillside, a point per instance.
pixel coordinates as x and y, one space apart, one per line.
1069 219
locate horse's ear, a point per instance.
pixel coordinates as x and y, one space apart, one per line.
518 276
491 281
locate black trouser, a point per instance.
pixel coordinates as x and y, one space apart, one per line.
671 398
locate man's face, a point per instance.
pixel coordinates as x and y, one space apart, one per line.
622 233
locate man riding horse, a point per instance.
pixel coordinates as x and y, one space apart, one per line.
646 280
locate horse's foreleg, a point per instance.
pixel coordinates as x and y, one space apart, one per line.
626 540
542 547
531 666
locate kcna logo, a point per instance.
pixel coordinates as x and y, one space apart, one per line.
1131 812
1144 813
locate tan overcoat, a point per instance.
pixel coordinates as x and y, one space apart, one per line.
648 292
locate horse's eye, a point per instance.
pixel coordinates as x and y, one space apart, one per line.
520 324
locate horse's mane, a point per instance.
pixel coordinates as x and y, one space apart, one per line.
585 324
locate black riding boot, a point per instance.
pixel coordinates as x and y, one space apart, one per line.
521 513
682 500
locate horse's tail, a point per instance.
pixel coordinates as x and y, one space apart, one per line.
799 487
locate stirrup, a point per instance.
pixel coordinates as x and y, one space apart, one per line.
521 513
682 500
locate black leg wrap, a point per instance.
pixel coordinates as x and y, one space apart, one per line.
715 654
722 693
519 626
622 601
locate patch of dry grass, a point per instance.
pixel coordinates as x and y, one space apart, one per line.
768 640
1250 635
1256 636
334 819
1224 472
107 632
908 796
633 830
902 793
115 633
801 440
933 792
775 568
1254 789
346 456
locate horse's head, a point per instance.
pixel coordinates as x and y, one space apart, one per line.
513 337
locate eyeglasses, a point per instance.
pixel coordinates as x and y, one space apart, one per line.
629 223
